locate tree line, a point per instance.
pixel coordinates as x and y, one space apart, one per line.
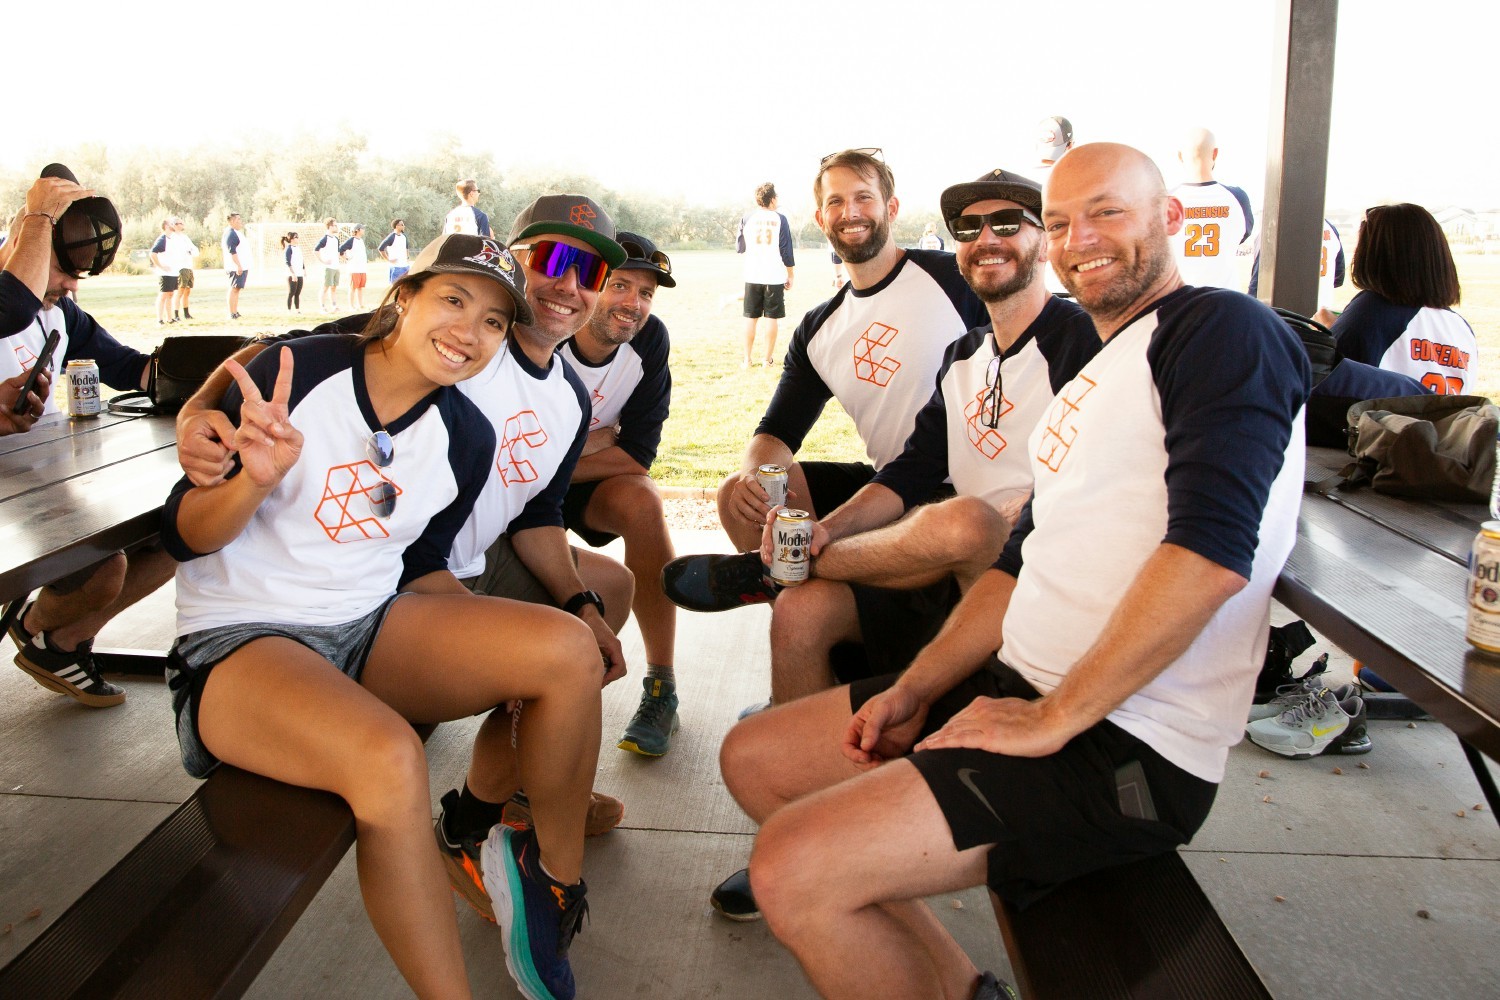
308 178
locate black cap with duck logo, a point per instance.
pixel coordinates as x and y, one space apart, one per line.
575 215
458 253
641 255
996 183
87 235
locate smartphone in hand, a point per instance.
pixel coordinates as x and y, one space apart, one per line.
42 361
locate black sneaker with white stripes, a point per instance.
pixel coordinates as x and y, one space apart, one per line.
74 674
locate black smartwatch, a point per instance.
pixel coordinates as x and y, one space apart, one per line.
575 603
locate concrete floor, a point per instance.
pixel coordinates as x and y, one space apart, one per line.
1385 889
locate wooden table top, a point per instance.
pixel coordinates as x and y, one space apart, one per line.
74 491
1386 579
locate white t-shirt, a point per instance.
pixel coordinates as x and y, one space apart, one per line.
461 220
762 232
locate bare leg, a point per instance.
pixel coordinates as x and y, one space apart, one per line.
962 536
749 341
809 621
277 708
611 581
118 583
840 876
630 506
491 651
770 339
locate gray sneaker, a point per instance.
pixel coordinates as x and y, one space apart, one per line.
650 731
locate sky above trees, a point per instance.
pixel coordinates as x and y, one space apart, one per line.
704 101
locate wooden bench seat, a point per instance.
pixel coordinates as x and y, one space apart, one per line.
1137 931
198 907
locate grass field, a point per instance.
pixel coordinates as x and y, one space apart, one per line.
715 404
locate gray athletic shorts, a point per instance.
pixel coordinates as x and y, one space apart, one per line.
194 655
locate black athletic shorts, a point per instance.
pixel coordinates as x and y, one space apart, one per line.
575 502
1052 818
832 484
167 283
765 300
894 625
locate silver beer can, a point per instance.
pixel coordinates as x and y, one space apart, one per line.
83 388
1484 589
791 538
772 479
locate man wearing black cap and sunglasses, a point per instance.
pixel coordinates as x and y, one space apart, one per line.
887 565
63 234
621 357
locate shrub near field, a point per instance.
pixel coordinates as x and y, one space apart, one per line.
715 404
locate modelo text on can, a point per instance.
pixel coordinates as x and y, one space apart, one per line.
772 479
1484 589
791 536
83 388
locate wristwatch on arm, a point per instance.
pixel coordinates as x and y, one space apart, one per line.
576 603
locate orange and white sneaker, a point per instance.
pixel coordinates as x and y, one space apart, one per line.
461 853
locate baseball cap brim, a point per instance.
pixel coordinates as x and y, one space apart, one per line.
612 252
434 259
998 184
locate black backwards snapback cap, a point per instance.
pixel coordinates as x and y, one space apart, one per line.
87 236
641 255
459 253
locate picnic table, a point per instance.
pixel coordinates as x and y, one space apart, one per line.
72 492
1386 579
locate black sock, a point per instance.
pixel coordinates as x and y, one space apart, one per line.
475 813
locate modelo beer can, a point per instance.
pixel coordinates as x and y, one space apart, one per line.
772 479
83 388
1484 588
792 537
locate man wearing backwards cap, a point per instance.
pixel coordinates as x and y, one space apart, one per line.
888 567
621 357
63 233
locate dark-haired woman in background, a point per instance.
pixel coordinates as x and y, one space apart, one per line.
296 271
1402 320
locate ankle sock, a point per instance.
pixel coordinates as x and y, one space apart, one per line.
474 813
661 672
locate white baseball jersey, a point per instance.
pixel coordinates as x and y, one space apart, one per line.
1216 220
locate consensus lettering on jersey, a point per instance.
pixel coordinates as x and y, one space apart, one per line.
1206 212
1443 354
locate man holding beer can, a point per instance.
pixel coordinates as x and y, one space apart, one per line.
61 235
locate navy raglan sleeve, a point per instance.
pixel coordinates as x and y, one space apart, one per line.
545 509
787 256
801 394
1369 326
1069 342
1244 200
471 444
1232 378
18 307
386 243
643 414
160 246
739 236
1338 260
120 367
344 246
916 473
1010 561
